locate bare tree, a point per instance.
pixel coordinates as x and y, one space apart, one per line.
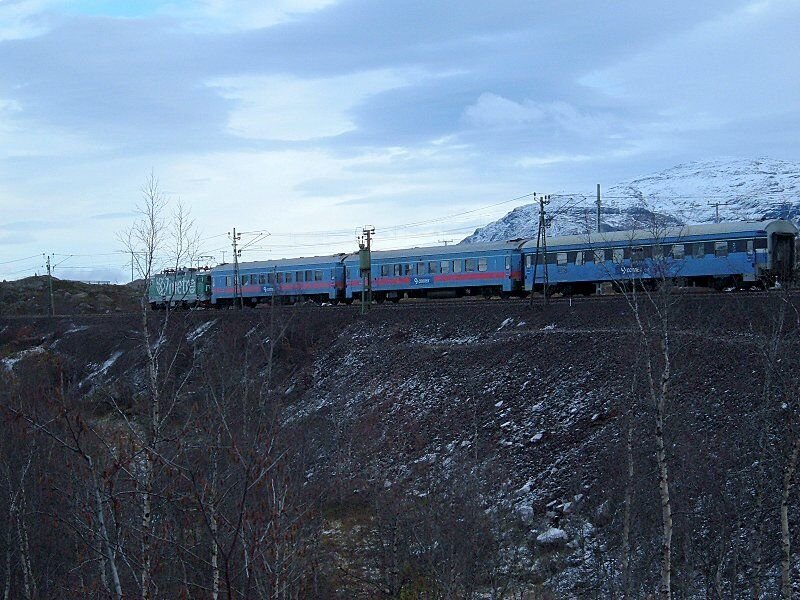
647 290
152 237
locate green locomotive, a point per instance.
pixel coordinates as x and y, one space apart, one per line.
181 288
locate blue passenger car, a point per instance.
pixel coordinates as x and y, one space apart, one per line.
318 278
445 271
714 255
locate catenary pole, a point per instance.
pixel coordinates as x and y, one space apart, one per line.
536 256
52 309
543 200
716 206
599 227
237 295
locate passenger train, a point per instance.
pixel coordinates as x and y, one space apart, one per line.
719 255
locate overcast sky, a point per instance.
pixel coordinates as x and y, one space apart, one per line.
306 116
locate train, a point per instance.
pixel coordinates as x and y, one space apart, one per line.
718 256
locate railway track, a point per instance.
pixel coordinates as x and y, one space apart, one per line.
422 304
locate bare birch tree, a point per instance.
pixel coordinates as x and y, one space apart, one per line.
647 289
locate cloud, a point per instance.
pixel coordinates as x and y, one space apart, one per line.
293 109
227 15
20 19
112 216
721 71
494 111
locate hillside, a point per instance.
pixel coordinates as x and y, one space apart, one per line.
31 296
468 450
748 190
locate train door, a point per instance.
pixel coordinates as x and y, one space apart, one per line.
782 256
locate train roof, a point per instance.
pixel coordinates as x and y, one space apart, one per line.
303 261
442 250
671 233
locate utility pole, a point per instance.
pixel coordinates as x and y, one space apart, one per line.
365 267
541 243
445 242
716 205
544 200
236 253
599 227
52 309
132 262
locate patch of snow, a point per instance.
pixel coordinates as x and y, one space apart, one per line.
198 333
506 323
75 329
549 327
498 404
105 366
12 360
536 437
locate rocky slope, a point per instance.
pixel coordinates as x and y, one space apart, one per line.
31 296
746 189
481 446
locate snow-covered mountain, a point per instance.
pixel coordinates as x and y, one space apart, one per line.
747 190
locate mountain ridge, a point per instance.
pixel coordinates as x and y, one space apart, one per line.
686 194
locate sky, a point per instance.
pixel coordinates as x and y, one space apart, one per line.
309 119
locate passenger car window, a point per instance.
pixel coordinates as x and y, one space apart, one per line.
280 277
561 258
721 248
577 258
317 275
697 250
309 275
445 266
619 255
483 265
384 270
243 279
397 270
422 268
253 279
678 250
288 277
470 265
433 267
637 254
458 266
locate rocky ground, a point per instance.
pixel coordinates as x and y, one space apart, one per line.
31 296
533 406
